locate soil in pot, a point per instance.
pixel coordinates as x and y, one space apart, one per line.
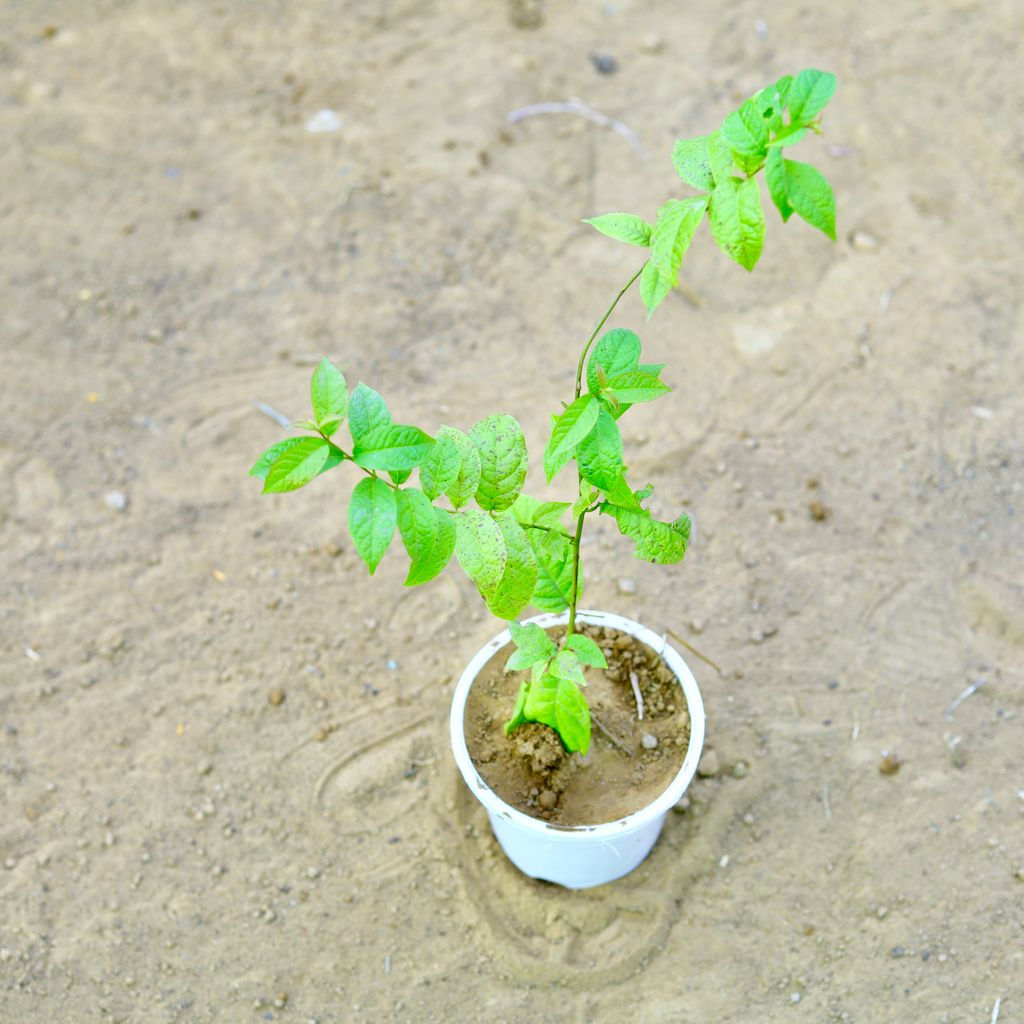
630 761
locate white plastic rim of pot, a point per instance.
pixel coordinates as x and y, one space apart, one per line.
579 856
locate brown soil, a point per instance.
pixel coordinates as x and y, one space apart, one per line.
531 769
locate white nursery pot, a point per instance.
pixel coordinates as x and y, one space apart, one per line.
579 856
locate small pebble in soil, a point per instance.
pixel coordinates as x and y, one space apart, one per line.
116 500
740 770
627 586
604 64
204 768
682 805
276 697
548 800
863 241
649 742
709 765
890 764
818 512
652 43
897 951
795 997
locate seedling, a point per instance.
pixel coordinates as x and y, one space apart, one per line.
515 548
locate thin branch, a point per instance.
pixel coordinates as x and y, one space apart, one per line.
693 650
575 106
634 681
268 410
611 737
973 688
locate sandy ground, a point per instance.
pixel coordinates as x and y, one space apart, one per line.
174 847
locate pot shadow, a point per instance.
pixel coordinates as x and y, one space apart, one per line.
541 933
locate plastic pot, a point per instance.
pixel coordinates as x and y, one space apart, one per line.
579 856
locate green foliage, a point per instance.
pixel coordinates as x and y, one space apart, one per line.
372 515
624 227
516 548
329 394
501 446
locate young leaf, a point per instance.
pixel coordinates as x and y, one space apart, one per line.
737 220
567 666
392 447
692 163
588 495
501 445
586 650
559 704
372 514
518 717
617 351
554 571
569 429
329 393
262 465
661 543
625 227
720 158
519 578
746 133
480 549
600 454
810 195
775 177
399 476
789 136
677 220
619 493
533 645
439 469
367 413
299 463
531 511
468 478
809 95
428 534
637 386
654 286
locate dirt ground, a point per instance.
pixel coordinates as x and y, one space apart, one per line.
176 847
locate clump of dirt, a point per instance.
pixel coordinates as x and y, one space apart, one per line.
631 760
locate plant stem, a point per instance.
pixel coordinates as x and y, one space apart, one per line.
578 535
590 340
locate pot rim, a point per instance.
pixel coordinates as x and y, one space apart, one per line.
609 829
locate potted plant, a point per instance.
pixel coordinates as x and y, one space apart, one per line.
576 789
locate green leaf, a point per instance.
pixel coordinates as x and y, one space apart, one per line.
367 413
810 195
468 479
737 220
625 227
567 666
619 493
772 102
644 493
299 463
540 513
568 430
533 645
775 177
809 95
560 704
599 456
519 577
617 351
307 425
658 542
392 447
518 717
586 650
677 220
262 465
428 534
588 495
330 396
480 548
439 469
746 133
692 163
399 476
501 445
720 158
553 552
372 514
654 286
637 386
789 136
